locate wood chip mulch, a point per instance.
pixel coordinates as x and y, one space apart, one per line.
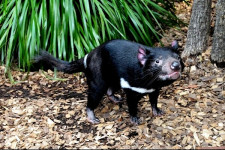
43 113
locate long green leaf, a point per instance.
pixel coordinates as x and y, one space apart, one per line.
71 28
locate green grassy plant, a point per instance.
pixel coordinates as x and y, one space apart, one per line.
71 28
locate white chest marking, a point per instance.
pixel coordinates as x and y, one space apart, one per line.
85 61
126 85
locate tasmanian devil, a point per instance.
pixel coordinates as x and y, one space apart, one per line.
136 68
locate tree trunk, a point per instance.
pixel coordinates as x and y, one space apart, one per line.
199 27
218 46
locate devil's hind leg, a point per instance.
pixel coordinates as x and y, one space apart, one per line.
112 97
96 89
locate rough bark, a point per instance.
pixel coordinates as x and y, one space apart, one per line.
199 27
218 46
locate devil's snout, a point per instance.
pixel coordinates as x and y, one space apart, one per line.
175 66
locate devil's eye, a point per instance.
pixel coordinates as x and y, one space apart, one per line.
157 61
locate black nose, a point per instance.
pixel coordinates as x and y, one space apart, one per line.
175 65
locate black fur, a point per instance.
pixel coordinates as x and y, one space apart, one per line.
47 61
139 65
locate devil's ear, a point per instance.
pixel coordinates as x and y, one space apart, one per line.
141 55
174 45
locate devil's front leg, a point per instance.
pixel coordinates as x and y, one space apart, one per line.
132 102
153 98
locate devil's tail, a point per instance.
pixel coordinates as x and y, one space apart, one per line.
47 61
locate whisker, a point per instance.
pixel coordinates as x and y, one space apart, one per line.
148 71
155 77
151 80
146 77
147 74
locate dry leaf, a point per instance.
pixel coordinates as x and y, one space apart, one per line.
157 121
206 133
196 138
50 123
17 110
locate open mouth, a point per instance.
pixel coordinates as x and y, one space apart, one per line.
174 75
171 76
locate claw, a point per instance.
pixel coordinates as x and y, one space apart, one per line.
112 97
135 120
115 99
91 117
157 112
93 121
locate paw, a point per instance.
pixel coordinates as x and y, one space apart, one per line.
135 120
157 112
93 120
91 117
115 99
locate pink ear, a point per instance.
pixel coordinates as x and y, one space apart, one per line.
174 45
141 55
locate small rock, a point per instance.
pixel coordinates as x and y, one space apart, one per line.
192 96
193 69
220 124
